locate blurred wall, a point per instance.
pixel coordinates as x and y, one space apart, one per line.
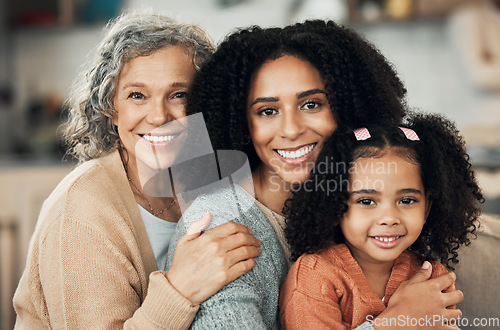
45 60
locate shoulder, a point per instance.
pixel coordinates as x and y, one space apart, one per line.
416 260
329 263
438 269
85 193
227 204
93 180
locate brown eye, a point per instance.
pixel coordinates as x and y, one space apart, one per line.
366 201
267 112
310 105
407 200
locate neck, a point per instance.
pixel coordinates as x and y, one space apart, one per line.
377 274
270 189
163 207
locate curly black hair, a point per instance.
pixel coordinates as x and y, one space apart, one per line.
313 215
360 83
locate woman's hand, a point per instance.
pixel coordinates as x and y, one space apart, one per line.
203 264
419 303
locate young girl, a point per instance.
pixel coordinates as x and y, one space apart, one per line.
379 201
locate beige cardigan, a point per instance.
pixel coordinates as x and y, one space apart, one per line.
90 263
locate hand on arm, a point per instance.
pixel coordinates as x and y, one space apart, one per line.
421 298
203 264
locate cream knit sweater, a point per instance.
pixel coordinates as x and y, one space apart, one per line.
90 263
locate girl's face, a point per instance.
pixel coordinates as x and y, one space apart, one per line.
150 92
387 208
289 117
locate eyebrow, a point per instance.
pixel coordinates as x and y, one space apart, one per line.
299 96
411 191
310 92
373 191
264 99
139 84
365 191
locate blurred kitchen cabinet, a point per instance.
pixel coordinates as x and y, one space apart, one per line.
378 11
26 13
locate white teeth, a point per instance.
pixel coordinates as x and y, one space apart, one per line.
156 138
296 154
386 239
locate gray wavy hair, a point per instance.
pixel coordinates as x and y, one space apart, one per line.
89 131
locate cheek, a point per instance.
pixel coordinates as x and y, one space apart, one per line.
259 133
328 126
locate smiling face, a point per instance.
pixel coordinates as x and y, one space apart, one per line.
387 208
150 99
289 117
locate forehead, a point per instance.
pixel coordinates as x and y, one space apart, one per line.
276 76
387 173
171 60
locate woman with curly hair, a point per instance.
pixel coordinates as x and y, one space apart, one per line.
277 94
392 197
101 238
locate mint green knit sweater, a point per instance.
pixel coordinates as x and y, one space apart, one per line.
251 301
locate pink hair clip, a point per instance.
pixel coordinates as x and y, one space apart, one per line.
362 134
410 134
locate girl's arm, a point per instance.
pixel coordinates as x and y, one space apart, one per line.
304 307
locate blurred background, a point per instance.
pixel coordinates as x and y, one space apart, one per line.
446 51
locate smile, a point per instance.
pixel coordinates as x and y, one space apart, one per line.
386 239
297 153
159 138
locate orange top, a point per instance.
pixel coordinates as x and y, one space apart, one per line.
328 290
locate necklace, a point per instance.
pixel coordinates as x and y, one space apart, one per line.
157 214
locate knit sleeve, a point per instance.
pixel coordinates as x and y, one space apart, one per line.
250 301
89 281
304 303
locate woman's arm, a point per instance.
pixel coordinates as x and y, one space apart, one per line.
80 276
202 265
91 281
421 298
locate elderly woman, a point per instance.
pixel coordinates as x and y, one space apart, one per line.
277 94
93 259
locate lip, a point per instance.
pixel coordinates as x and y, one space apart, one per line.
386 241
291 152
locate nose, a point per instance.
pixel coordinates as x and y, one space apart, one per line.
389 217
291 124
158 113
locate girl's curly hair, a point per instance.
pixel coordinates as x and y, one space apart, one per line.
89 131
314 215
360 83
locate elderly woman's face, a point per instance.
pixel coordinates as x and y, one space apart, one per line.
289 117
151 92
